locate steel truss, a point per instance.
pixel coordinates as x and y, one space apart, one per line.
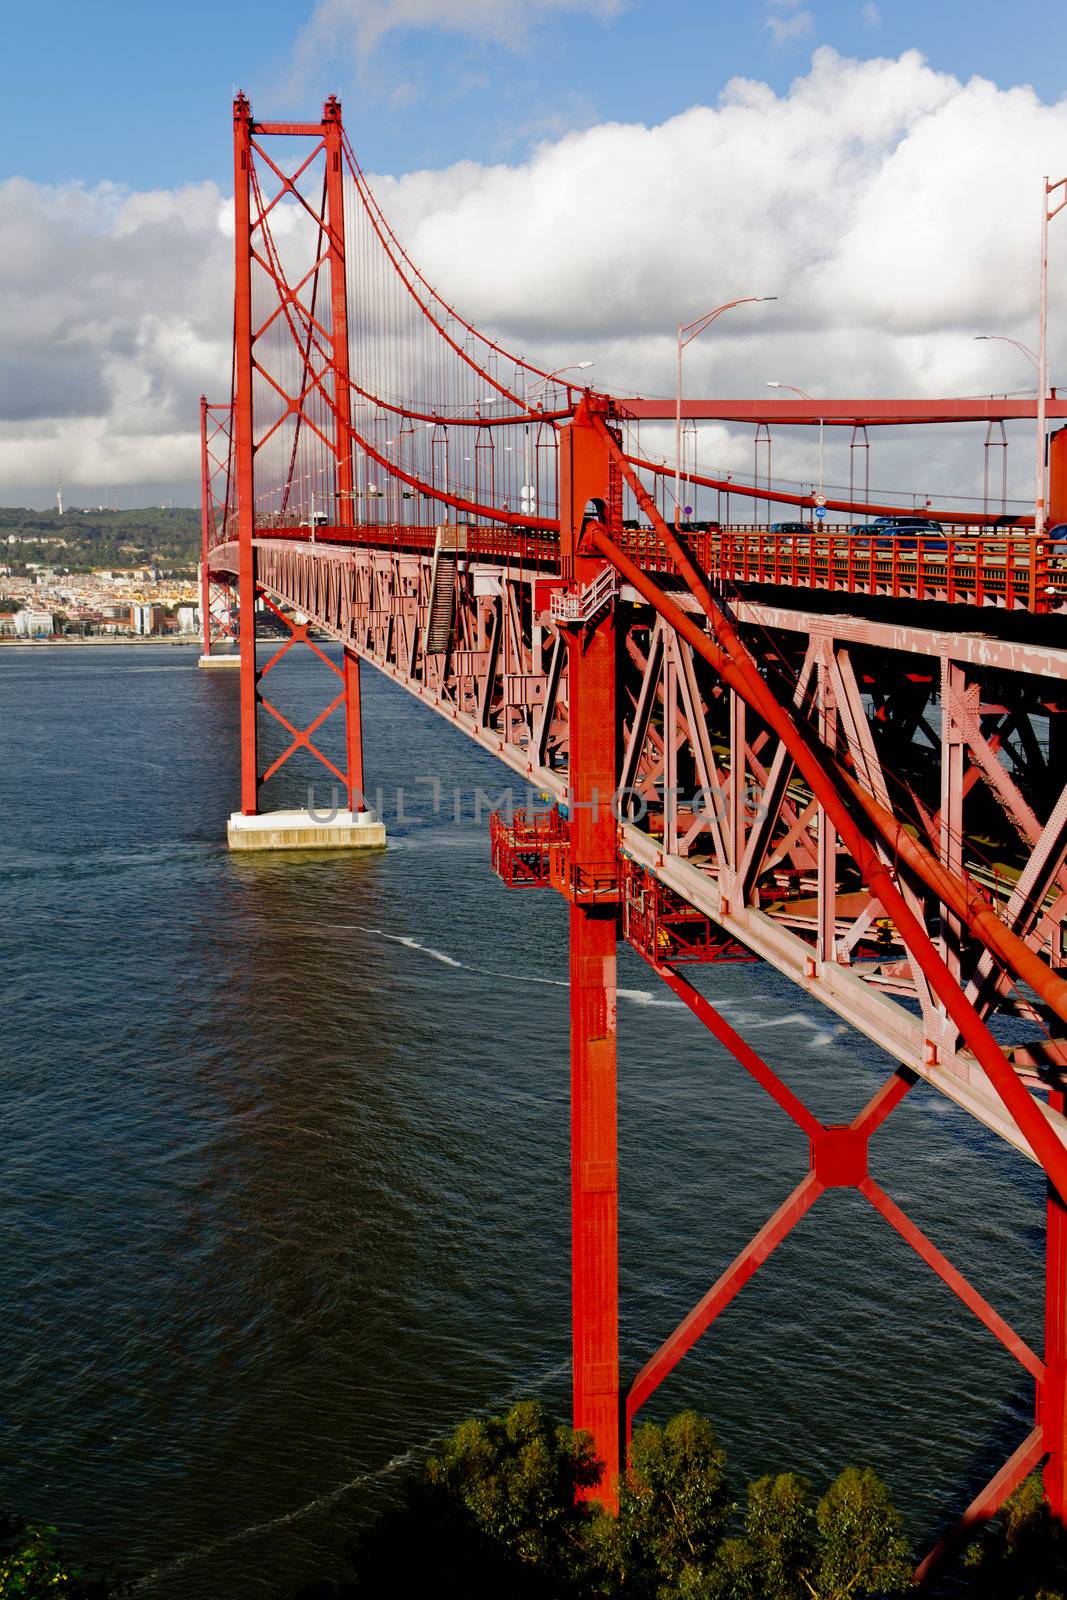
873 802
218 610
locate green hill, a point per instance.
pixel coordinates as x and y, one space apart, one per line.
164 537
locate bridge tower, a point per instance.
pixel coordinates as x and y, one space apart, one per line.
261 281
592 888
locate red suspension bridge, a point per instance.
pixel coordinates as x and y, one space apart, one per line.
835 748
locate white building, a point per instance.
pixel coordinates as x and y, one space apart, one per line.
31 623
188 619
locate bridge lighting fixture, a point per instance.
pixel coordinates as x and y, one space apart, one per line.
1047 189
687 332
1004 338
772 383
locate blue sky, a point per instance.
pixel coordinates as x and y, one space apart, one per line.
139 93
568 171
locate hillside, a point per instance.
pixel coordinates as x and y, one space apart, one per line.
167 538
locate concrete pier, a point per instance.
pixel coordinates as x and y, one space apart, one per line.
227 659
300 830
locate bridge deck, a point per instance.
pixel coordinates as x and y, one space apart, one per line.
1006 569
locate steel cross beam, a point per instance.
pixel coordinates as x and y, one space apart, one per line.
866 800
503 685
838 1159
843 413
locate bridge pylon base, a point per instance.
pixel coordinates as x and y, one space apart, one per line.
305 830
223 659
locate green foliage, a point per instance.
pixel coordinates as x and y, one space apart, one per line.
673 1509
495 1513
1022 1555
516 1476
776 1553
849 1547
495 1516
862 1549
32 1567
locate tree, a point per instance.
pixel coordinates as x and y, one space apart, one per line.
1022 1555
32 1567
850 1547
775 1554
673 1509
862 1550
495 1513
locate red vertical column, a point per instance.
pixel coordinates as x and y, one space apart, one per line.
594 1148
354 730
1053 1403
342 397
244 445
335 234
205 492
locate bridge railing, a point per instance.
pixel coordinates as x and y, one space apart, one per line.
1007 568
1000 567
516 546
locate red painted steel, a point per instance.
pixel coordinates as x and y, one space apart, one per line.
354 733
808 836
844 413
722 1292
591 652
1052 1405
244 446
520 846
339 342
665 927
205 531
734 664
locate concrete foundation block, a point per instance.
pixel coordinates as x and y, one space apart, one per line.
300 830
213 661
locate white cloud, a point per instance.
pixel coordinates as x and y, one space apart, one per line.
891 208
788 20
363 24
872 17
114 315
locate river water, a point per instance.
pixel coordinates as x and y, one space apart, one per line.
283 1159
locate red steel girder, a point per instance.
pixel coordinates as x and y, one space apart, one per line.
732 662
844 413
838 1159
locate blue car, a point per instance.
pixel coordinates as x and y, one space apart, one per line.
1056 544
905 532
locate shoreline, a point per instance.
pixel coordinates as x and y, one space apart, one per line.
96 640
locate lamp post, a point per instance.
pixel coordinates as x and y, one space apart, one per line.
771 384
687 332
1004 338
528 495
1047 189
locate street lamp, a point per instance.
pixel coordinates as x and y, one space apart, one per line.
687 332
574 366
528 493
1042 345
1004 338
804 396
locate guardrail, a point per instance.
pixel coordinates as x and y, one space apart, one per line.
1001 567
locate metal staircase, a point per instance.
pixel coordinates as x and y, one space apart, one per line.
451 543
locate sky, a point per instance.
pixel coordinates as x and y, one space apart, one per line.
578 175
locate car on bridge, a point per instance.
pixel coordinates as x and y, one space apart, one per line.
799 529
905 532
1056 545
